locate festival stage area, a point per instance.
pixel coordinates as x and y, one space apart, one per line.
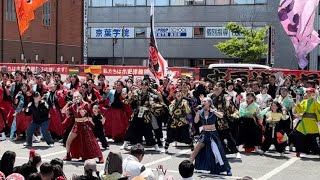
270 166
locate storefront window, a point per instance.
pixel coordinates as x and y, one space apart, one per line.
159 2
123 2
243 1
141 2
101 3
177 2
260 1
219 2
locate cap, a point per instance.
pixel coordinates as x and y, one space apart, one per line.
90 164
15 176
311 90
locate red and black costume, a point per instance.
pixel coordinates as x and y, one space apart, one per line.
56 102
117 116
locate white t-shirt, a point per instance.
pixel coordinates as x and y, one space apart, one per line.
131 167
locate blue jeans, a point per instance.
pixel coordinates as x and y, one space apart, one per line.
44 131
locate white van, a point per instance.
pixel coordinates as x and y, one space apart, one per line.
238 66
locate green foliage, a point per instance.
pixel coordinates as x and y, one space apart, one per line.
248 49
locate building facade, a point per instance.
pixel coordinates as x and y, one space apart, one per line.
186 30
54 36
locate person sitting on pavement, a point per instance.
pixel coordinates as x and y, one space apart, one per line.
186 169
113 167
132 165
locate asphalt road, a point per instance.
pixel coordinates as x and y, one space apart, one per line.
270 166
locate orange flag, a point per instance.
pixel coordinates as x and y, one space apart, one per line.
25 12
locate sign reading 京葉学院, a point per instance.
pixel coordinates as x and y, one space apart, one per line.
171 32
104 33
219 32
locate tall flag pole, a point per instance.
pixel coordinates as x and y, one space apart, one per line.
157 64
24 10
297 18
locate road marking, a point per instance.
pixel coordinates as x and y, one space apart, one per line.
166 158
278 169
52 154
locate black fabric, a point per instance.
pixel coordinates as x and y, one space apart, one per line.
117 104
98 130
40 113
227 141
268 140
25 170
272 90
309 143
250 134
179 134
137 129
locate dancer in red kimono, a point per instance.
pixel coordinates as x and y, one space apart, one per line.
55 100
81 142
21 122
5 105
117 115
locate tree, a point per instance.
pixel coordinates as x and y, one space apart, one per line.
248 49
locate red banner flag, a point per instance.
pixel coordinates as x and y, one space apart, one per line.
25 12
157 64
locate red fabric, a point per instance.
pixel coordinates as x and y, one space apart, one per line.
67 122
55 125
61 98
23 122
2 121
73 109
6 107
248 149
117 122
85 145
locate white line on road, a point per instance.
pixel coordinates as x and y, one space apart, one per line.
166 158
52 154
278 169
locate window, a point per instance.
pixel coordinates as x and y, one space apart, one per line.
198 32
199 2
260 1
101 3
123 2
11 13
243 1
219 2
46 13
141 2
140 32
177 2
159 2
